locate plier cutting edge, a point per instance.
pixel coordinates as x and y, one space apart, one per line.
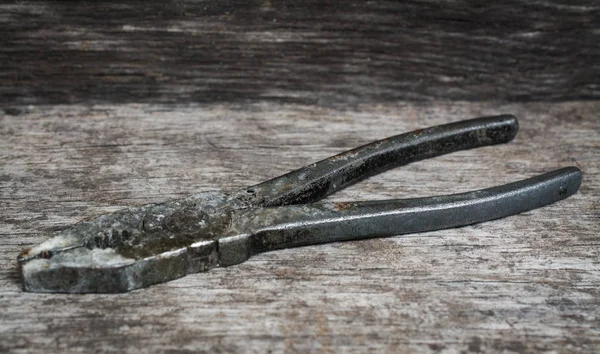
140 246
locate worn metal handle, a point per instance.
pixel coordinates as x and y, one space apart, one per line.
325 177
300 225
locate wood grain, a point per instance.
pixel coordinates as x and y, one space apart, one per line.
111 104
527 283
310 52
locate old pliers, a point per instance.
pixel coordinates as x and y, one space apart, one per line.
137 247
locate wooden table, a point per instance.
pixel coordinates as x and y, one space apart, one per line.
108 105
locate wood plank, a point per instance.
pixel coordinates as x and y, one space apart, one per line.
318 52
526 283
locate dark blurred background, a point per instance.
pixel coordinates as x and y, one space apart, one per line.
315 52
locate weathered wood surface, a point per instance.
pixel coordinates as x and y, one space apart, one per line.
325 52
526 283
169 98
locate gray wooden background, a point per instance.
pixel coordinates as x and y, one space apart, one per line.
111 104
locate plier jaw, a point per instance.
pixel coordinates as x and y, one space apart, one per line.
137 247
131 248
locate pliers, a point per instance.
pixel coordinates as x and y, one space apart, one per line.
140 246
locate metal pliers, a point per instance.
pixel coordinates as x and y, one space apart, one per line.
137 247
